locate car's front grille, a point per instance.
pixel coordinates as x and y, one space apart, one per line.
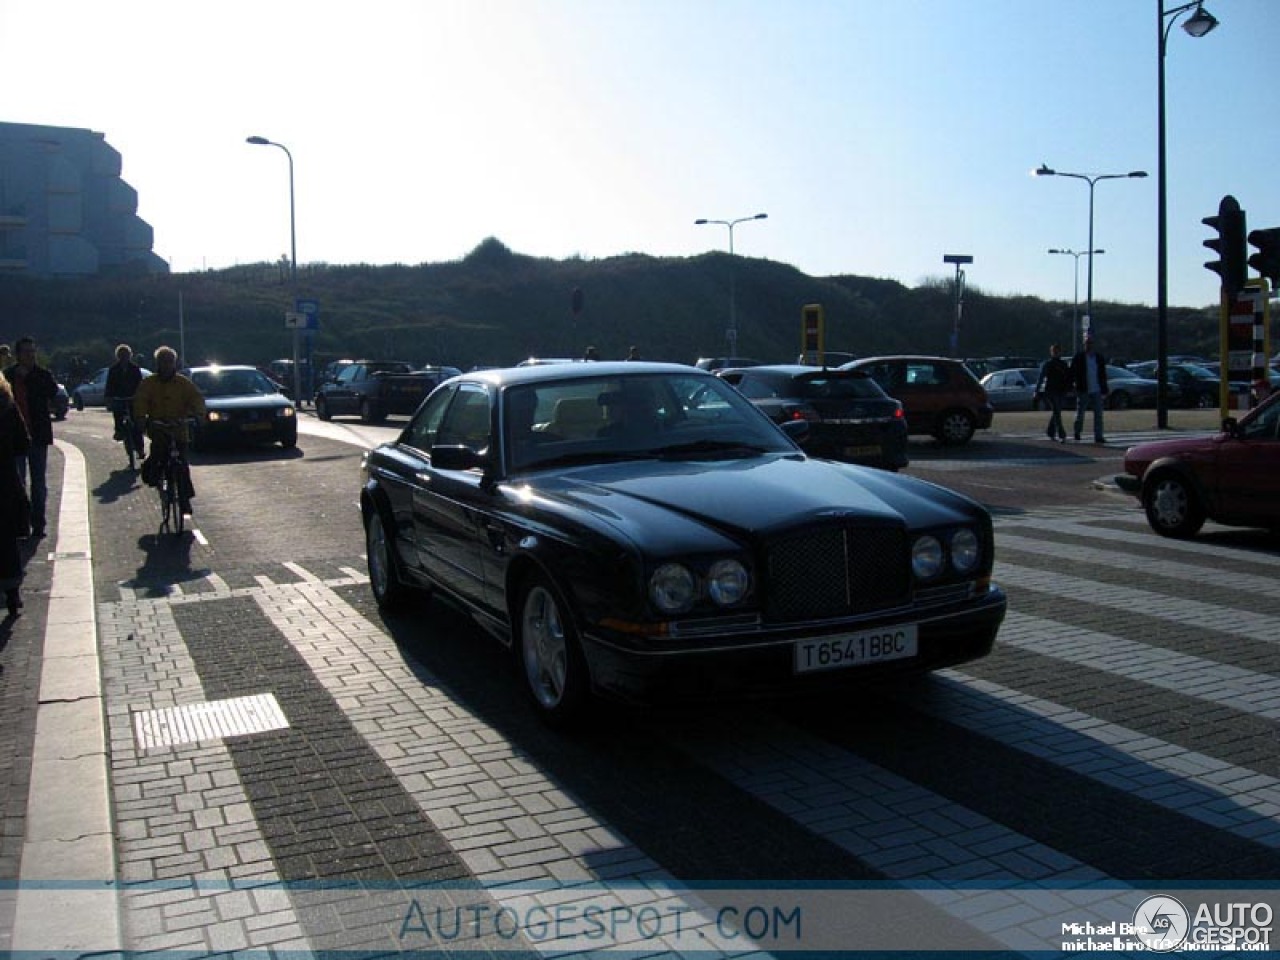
837 571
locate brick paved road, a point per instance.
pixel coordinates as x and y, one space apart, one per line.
1122 738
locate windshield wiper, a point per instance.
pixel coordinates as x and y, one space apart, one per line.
697 447
588 456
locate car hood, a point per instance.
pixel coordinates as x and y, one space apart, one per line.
1174 447
656 501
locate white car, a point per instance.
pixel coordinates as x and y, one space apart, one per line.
92 393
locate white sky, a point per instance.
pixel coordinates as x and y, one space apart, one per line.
878 135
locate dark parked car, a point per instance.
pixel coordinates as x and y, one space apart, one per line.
642 528
243 404
1126 389
941 396
373 389
1197 387
850 418
1232 477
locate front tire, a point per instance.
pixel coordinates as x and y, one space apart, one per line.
1173 507
384 579
322 409
369 412
551 661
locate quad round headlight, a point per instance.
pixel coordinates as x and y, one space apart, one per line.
727 582
965 551
672 588
926 557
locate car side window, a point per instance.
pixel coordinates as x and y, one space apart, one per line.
349 374
422 431
1265 427
756 388
467 421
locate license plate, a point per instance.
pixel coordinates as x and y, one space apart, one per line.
856 649
259 425
873 451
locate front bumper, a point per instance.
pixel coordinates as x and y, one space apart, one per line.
1129 483
765 666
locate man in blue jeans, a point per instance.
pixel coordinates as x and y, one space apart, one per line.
34 391
1089 372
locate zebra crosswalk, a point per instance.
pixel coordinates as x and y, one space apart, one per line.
1119 744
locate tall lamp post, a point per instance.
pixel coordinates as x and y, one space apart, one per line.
1200 23
293 259
732 334
1092 179
1075 297
958 299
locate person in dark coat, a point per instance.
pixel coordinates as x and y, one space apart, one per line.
34 391
14 443
1089 371
122 383
1053 386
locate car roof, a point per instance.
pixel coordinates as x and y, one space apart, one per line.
904 356
223 366
508 376
795 370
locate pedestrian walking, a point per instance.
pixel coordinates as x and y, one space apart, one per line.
591 354
34 392
1052 387
15 507
1089 374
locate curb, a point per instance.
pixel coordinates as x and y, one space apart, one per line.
67 892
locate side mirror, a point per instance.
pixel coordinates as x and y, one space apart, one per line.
1230 427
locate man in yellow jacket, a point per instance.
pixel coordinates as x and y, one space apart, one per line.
168 395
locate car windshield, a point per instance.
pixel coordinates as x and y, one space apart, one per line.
823 387
232 383
633 416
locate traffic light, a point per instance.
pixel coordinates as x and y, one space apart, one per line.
1228 244
1267 260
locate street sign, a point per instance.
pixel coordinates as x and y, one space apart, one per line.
310 309
293 320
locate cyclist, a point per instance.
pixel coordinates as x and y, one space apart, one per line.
168 395
122 383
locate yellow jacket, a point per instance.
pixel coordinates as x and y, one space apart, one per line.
172 399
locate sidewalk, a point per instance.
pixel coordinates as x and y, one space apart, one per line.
66 891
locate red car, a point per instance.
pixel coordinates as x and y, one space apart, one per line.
1232 477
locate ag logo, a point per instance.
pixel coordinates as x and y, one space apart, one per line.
1161 923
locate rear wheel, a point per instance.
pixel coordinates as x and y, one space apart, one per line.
322 408
551 660
955 427
384 581
1119 400
369 412
1172 505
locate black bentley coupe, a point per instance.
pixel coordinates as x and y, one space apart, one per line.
642 529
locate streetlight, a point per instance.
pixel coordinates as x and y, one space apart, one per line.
1090 178
293 259
958 305
1075 297
1200 23
732 335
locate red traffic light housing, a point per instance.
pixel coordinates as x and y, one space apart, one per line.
1267 260
1228 244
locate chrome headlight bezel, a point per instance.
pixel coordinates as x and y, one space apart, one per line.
673 588
727 582
928 559
966 551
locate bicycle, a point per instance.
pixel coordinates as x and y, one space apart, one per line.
173 479
129 433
